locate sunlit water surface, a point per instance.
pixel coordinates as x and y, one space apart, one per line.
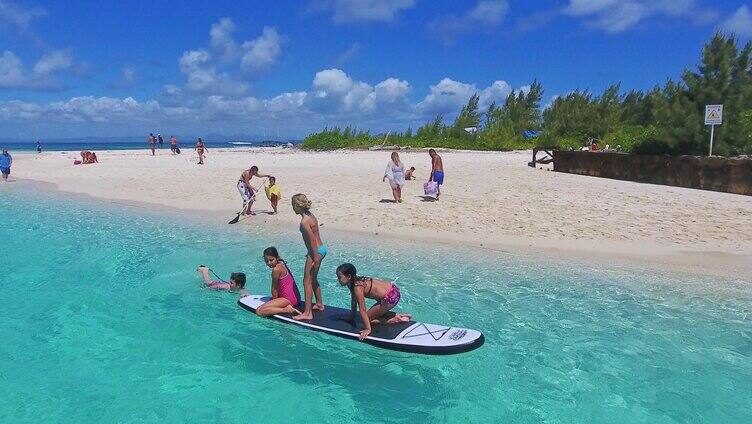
104 320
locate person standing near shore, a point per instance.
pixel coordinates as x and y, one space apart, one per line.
173 144
200 149
309 229
6 160
39 147
161 140
395 172
150 139
246 190
437 170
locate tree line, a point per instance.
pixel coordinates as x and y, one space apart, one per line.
668 119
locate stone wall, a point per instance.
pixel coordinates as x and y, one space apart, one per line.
706 173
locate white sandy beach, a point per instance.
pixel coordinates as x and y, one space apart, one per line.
490 199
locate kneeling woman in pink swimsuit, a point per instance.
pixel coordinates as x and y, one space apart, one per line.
385 293
285 295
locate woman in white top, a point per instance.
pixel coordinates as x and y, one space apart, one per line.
395 172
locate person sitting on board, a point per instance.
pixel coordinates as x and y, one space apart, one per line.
236 283
273 193
386 294
410 174
285 294
309 229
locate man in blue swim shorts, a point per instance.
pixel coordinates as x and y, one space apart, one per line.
6 160
437 170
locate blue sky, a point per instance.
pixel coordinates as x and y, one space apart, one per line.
77 68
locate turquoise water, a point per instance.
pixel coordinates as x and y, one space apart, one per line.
104 320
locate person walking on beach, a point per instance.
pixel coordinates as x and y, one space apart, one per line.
150 139
39 147
246 190
395 172
160 139
6 160
173 144
200 149
437 170
309 229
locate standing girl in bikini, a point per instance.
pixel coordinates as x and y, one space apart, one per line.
200 148
285 295
309 228
386 294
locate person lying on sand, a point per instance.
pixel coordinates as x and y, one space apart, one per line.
285 294
386 294
236 283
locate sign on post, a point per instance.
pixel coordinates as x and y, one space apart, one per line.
713 117
713 114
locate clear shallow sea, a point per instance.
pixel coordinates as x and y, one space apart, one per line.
103 319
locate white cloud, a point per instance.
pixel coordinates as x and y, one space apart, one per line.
740 23
615 16
51 63
260 54
334 98
43 75
448 96
18 16
128 75
221 68
335 92
365 10
221 40
203 77
485 15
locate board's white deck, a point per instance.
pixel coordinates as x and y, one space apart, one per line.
419 334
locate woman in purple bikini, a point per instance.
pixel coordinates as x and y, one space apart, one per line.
285 295
386 294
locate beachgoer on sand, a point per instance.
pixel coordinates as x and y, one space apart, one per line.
437 170
173 144
200 150
285 294
410 174
385 293
246 190
151 141
39 147
273 193
160 139
395 172
236 283
6 160
316 252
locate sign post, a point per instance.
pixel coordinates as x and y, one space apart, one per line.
713 117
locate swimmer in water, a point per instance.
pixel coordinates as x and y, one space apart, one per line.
236 283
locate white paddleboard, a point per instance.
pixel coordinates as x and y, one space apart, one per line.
411 336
